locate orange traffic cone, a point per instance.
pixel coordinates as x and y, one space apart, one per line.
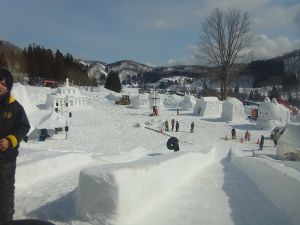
257 141
226 138
242 140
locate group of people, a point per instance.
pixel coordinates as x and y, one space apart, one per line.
248 137
175 124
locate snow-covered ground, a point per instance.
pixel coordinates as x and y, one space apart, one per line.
209 181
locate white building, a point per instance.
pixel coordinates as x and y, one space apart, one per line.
66 96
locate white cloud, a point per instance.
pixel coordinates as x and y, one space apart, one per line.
265 47
276 16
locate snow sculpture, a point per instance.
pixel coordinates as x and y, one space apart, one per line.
208 107
233 110
289 143
188 102
66 96
272 114
140 101
173 100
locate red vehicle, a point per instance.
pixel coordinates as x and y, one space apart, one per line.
285 103
51 83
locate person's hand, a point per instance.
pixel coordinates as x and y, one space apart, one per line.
4 144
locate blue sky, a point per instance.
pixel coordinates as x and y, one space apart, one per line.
154 32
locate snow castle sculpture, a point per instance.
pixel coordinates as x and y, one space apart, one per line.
66 96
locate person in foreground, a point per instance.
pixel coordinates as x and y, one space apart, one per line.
14 126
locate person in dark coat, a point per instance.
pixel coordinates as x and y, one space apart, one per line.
192 127
166 125
233 134
172 124
261 143
14 126
177 126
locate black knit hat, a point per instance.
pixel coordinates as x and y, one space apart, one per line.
9 80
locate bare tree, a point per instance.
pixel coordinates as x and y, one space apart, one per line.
224 35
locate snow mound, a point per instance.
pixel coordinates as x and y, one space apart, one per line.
20 94
113 96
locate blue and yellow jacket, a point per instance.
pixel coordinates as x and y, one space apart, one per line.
14 126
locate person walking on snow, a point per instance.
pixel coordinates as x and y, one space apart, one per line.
177 112
177 126
173 124
192 127
247 136
166 125
14 126
261 143
233 134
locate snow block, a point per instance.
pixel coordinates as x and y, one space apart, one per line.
117 193
279 183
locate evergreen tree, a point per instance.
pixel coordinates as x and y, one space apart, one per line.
257 96
3 61
251 95
113 82
236 90
274 93
59 66
230 92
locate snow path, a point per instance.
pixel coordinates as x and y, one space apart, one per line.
233 199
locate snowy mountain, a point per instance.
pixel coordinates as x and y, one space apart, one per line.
129 68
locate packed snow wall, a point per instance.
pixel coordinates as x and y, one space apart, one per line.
279 183
117 193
